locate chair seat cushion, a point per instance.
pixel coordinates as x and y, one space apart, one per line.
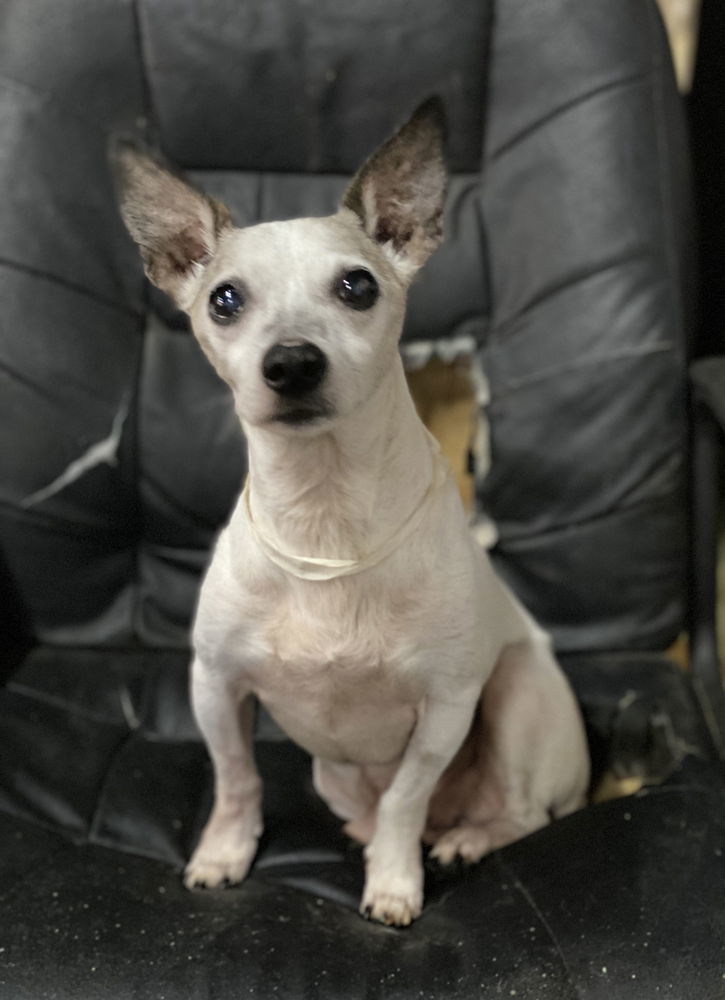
101 798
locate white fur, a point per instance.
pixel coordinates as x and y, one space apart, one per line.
379 669
426 694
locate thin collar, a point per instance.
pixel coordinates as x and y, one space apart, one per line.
311 568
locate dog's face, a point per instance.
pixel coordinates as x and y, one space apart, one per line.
301 318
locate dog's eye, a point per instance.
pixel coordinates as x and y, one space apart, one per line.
358 289
225 302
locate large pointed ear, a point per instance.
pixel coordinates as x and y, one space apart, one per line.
176 226
399 193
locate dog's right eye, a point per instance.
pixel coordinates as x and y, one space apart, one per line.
225 302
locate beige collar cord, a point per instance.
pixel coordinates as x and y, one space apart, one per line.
310 568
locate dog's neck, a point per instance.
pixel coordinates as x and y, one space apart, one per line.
342 494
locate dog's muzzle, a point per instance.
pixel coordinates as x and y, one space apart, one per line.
294 370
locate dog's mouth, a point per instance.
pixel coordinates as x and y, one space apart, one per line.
302 415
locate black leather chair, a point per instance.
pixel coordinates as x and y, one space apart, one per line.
565 272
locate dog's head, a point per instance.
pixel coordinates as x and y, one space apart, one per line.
301 318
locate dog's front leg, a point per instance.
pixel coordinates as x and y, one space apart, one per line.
225 714
393 890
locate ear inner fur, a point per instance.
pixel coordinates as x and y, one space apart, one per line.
175 226
398 194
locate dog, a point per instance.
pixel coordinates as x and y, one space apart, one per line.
346 592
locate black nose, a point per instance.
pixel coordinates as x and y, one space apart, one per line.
294 369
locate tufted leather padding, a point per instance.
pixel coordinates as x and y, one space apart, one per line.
104 786
308 88
103 497
571 260
120 457
586 202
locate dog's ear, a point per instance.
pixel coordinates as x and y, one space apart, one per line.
175 226
399 193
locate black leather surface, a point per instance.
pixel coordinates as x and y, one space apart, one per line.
585 909
120 457
586 203
569 246
708 383
328 79
104 786
139 779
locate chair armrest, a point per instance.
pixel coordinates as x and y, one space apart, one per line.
707 400
707 379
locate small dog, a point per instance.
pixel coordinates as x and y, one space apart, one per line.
346 592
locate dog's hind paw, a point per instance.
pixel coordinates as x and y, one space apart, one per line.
467 842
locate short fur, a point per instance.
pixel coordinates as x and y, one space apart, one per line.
428 697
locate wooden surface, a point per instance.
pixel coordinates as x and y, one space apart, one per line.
681 21
444 398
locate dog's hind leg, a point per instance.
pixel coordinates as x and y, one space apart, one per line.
352 792
526 759
471 841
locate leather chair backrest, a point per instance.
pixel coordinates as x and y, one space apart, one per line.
586 196
121 454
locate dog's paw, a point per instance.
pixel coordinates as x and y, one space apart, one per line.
467 842
205 872
224 853
396 904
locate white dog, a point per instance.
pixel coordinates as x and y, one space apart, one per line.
346 592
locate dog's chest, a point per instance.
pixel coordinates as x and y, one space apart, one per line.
338 673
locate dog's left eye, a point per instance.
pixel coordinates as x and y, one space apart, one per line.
358 289
225 302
